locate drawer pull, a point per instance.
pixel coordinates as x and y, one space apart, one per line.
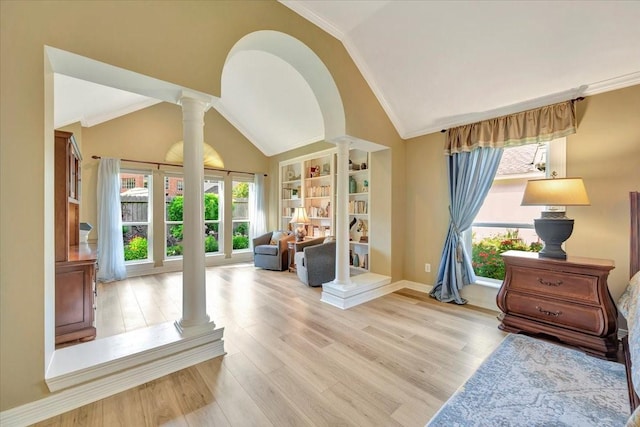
546 283
549 313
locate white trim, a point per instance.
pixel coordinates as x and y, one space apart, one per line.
363 287
72 398
89 361
615 83
311 16
416 286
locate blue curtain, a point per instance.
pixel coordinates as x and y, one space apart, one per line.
470 177
110 246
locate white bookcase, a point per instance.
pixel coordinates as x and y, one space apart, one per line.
359 179
310 181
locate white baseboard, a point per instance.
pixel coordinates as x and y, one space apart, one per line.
416 286
119 380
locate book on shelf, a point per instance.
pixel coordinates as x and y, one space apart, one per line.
357 207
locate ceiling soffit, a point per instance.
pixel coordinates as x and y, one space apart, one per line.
279 94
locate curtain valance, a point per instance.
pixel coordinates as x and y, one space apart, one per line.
527 127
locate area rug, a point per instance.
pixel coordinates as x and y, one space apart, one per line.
531 382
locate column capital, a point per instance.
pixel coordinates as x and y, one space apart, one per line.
195 99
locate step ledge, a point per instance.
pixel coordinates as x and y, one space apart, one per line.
75 365
75 397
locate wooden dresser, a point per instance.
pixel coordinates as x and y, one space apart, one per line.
566 299
75 261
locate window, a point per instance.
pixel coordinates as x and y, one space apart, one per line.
213 208
241 192
173 218
502 224
127 182
213 191
135 206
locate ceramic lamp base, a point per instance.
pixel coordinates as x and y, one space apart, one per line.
553 232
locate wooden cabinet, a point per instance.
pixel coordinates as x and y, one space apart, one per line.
75 295
566 299
67 194
75 261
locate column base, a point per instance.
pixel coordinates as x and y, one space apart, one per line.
186 329
362 288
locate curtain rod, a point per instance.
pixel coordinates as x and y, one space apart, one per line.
158 164
580 98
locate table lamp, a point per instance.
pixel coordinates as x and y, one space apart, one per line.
300 218
553 227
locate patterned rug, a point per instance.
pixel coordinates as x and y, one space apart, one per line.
531 382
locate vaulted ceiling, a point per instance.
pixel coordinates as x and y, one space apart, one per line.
431 64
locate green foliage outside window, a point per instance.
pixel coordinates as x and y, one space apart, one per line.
175 213
211 205
485 254
174 250
240 242
241 190
210 244
135 249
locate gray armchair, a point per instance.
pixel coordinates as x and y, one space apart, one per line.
316 264
269 254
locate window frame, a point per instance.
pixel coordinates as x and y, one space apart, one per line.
248 219
556 160
147 181
220 221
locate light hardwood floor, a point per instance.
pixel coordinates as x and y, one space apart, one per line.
292 360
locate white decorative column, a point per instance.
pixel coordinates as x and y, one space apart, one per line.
342 214
346 291
194 311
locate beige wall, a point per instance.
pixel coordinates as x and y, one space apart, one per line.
182 42
426 213
605 151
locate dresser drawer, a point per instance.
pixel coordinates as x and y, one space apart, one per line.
568 286
563 314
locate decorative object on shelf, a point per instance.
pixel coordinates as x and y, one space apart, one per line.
300 219
553 227
353 185
351 224
314 171
291 174
356 260
365 187
350 164
326 168
362 228
363 166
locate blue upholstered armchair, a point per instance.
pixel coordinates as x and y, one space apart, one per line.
270 250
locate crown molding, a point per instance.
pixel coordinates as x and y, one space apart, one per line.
615 83
299 8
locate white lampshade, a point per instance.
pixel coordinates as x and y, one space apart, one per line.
555 192
300 216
